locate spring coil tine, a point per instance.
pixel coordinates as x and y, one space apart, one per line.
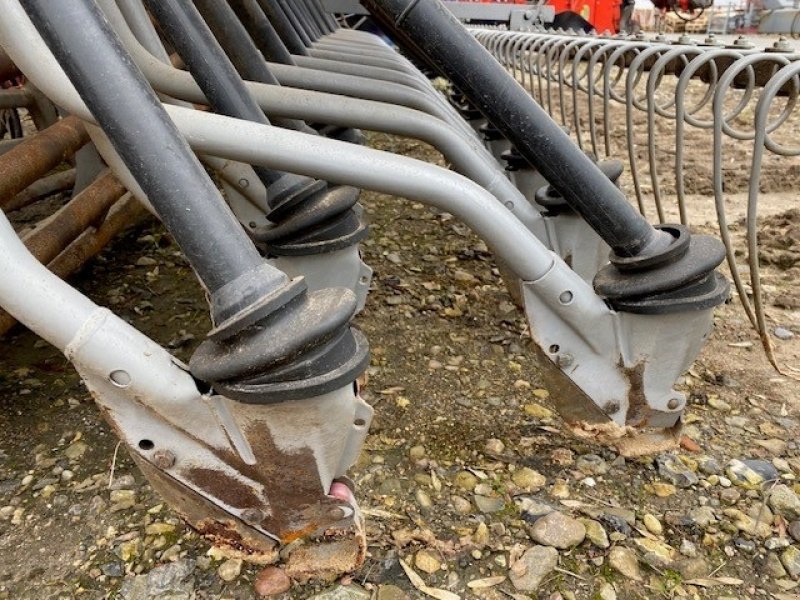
682 116
568 50
654 79
611 70
593 82
577 76
617 57
635 71
764 128
724 84
561 50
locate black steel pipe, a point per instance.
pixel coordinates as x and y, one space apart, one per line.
127 109
284 27
262 32
437 34
211 68
296 25
241 50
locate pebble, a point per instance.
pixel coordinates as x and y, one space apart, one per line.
776 543
623 560
794 530
691 568
652 524
537 411
391 592
671 468
774 567
703 516
791 561
426 560
595 533
465 480
343 592
688 549
272 581
591 464
230 569
494 446
708 465
528 479
528 572
558 530
6 512
112 569
76 450
655 553
489 504
663 490
784 501
461 505
607 592
782 333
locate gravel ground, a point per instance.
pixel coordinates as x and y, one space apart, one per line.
472 486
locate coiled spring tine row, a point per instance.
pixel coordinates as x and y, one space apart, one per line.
653 77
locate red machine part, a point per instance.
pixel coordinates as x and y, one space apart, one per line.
602 14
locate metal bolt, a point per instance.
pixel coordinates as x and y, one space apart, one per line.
336 513
610 408
163 459
252 516
243 183
673 403
565 360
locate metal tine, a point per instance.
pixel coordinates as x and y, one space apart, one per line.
688 116
654 79
629 61
763 127
721 125
617 57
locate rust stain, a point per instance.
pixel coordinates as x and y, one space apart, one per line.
639 411
228 489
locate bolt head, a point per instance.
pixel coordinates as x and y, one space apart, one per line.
610 408
163 459
673 403
253 516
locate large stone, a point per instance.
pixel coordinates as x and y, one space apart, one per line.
528 572
528 479
558 530
785 502
751 474
672 469
791 561
595 533
624 561
175 580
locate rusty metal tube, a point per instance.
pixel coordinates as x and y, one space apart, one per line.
57 182
70 221
27 162
125 213
14 97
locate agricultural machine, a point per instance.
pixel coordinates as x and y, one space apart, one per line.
237 124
